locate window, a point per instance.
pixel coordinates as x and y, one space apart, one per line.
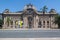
43 26
30 11
48 24
39 26
43 22
30 19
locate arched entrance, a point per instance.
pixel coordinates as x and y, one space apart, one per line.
39 24
30 23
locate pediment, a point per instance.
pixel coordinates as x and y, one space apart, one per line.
29 11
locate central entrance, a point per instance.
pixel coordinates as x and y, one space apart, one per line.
30 22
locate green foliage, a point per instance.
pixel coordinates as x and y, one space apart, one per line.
1 23
57 20
8 20
44 9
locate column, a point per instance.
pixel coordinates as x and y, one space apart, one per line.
37 20
4 26
51 22
25 22
13 24
45 24
42 23
9 25
34 22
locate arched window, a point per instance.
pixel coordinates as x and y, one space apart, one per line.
43 24
30 19
48 24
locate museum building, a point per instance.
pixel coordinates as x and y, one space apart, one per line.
29 18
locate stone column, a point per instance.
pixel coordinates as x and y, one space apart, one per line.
42 23
45 24
4 26
49 23
13 23
37 20
9 24
25 22
34 22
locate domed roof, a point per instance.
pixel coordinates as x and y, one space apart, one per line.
6 11
53 11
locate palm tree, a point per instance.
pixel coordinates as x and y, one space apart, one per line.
57 20
44 9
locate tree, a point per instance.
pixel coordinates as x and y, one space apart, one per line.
44 9
57 20
8 21
1 23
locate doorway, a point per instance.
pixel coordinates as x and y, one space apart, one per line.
30 22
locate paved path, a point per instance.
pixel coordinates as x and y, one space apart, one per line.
29 33
29 38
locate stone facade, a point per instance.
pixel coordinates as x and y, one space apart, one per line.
31 18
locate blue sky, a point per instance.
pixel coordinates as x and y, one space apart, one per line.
18 5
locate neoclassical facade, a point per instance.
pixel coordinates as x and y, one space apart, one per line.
31 18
